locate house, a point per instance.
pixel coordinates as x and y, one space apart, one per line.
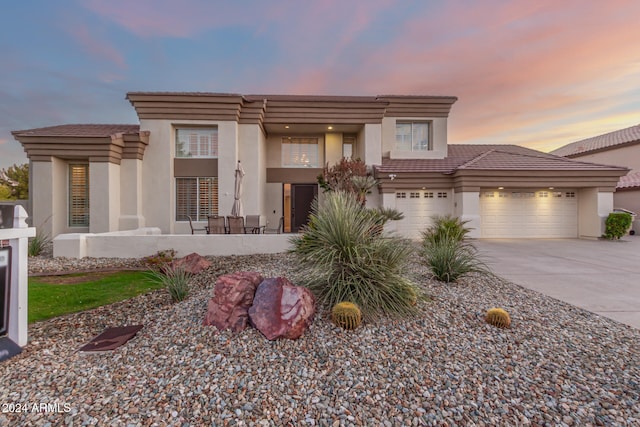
180 161
621 148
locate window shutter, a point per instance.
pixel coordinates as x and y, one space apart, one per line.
79 195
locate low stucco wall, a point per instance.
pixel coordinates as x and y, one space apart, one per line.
131 245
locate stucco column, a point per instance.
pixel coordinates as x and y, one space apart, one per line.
593 206
104 197
131 195
372 144
227 162
467 208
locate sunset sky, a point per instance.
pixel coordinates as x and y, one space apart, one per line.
535 73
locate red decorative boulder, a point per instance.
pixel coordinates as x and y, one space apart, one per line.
231 298
192 263
281 309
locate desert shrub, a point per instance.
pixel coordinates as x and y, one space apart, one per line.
449 258
617 224
175 280
38 243
342 256
351 176
446 225
161 258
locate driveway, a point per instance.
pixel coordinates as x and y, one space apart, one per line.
598 275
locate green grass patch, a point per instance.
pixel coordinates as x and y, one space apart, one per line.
51 296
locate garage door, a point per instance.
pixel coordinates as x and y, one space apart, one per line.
527 213
418 207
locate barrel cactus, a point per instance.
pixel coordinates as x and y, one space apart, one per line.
347 315
498 317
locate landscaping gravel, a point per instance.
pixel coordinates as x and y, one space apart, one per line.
556 365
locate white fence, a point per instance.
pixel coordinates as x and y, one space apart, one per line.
18 238
148 241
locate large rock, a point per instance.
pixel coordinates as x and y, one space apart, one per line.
232 296
192 263
282 310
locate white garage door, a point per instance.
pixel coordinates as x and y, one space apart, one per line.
527 213
418 207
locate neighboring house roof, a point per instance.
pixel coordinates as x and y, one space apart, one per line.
80 130
630 135
629 181
488 157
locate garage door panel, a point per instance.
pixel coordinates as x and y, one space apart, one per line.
418 208
526 213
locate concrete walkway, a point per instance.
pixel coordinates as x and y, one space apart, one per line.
597 275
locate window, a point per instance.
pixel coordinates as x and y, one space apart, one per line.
196 197
428 195
300 152
543 194
412 136
348 145
442 195
401 195
78 195
570 194
413 195
201 142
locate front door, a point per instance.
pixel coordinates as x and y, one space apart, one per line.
302 196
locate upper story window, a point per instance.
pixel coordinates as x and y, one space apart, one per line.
300 152
412 136
197 142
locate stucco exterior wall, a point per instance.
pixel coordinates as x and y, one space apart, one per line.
332 148
593 208
104 197
466 206
372 140
131 216
627 199
627 156
158 185
252 155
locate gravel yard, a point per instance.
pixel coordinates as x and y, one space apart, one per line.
557 365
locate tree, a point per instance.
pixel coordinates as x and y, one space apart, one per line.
16 179
349 175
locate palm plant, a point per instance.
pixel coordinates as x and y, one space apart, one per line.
343 257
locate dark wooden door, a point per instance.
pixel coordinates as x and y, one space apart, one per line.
302 196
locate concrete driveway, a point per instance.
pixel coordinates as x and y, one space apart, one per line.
598 275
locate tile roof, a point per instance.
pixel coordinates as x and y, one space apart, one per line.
601 142
488 157
80 130
631 180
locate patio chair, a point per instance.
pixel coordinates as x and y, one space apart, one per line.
277 230
253 225
235 224
193 230
216 225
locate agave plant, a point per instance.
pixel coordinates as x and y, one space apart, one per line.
342 256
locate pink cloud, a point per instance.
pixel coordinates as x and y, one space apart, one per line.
98 48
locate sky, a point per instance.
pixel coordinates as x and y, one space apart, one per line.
540 73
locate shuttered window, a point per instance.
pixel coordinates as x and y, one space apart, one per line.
196 197
300 152
201 143
78 195
412 136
